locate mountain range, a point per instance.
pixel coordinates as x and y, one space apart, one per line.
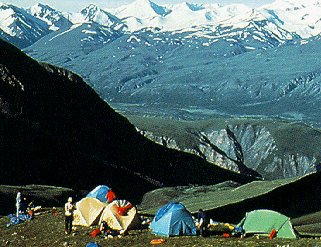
56 130
193 62
262 59
283 18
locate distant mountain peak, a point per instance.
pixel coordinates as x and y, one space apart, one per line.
90 10
93 13
55 19
19 27
41 5
91 7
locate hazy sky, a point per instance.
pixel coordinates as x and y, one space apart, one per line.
76 5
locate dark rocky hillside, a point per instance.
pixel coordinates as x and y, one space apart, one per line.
56 130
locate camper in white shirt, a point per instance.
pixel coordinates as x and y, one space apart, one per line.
69 209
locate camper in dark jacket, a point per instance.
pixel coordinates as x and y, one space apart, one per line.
203 222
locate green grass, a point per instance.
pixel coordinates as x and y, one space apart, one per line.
211 197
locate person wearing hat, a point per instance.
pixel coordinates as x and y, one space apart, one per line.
69 209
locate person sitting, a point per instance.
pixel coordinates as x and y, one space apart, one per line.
107 231
104 228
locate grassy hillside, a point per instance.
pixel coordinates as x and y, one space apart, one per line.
229 202
210 197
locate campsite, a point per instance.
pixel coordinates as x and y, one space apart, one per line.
175 225
76 170
47 230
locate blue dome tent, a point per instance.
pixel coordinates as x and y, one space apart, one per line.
173 219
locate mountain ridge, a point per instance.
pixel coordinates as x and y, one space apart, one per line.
301 19
56 130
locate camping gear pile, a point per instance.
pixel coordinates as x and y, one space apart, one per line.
24 211
15 220
120 215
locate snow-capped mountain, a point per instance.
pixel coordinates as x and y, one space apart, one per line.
292 16
19 27
55 19
144 13
92 13
142 52
299 16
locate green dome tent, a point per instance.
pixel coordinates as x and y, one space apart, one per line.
262 222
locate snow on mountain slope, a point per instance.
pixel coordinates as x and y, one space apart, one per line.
77 41
293 16
141 9
177 16
92 13
214 15
301 17
19 27
52 17
141 14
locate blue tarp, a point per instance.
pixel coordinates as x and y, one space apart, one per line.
99 193
14 220
173 219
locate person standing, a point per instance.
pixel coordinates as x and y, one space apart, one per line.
18 203
69 209
202 219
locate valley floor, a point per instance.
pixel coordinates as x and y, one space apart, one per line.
47 229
